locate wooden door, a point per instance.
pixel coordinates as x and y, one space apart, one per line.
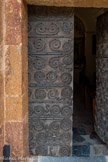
51 40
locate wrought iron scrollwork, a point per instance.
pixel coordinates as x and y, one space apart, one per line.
67 26
50 83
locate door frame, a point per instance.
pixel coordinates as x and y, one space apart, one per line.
70 3
14 52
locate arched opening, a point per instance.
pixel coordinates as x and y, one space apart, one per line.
79 49
84 90
85 139
51 49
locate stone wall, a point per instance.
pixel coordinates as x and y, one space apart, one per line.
1 80
101 115
13 69
70 3
13 77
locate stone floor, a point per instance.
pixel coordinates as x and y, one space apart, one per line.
87 145
69 159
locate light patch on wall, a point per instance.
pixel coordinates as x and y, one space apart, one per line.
19 1
19 49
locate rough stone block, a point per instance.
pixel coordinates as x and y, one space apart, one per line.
16 22
1 58
1 139
99 150
14 137
25 136
25 104
24 69
1 98
81 150
16 108
1 18
13 17
16 71
70 3
13 71
25 25
1 110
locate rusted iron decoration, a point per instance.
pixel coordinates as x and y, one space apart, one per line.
51 40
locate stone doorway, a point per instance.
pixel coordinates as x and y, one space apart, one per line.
51 38
14 84
89 138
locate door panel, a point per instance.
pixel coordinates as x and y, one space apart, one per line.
101 118
51 36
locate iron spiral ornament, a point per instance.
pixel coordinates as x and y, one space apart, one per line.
39 76
66 136
66 78
40 28
66 92
51 76
55 110
64 151
53 93
39 45
38 110
66 111
54 62
40 94
38 125
66 124
53 29
67 26
67 47
67 60
39 63
54 126
41 138
55 45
